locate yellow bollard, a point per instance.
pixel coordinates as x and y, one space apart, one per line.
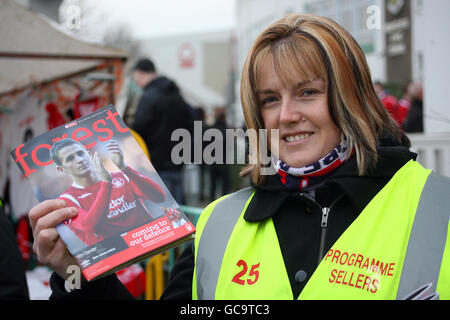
154 276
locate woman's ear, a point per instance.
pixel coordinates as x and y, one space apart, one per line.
60 169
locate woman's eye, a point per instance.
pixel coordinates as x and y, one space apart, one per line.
268 100
307 93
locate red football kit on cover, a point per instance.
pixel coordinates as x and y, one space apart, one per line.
106 209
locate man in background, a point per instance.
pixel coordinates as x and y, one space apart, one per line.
414 120
160 111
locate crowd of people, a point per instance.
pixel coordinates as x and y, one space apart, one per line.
161 110
407 110
347 201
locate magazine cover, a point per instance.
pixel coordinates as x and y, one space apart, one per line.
125 212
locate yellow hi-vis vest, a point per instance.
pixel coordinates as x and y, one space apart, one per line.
395 246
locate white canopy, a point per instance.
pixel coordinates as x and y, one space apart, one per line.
34 51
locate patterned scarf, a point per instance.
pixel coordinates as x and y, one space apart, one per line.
304 177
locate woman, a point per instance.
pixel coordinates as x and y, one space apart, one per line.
339 218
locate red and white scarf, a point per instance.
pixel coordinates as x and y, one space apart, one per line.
307 176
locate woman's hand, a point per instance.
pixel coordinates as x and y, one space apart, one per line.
48 246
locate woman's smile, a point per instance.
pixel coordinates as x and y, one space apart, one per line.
298 108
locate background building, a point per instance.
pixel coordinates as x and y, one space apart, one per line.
49 8
404 40
201 65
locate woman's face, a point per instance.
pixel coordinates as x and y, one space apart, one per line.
299 109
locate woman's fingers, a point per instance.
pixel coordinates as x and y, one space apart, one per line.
60 258
43 209
44 243
44 217
49 247
53 218
52 251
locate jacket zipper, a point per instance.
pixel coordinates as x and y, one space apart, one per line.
323 232
323 223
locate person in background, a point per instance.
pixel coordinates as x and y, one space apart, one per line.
219 172
348 212
388 101
160 111
404 105
13 283
200 115
414 120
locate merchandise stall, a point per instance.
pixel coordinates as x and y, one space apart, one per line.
47 78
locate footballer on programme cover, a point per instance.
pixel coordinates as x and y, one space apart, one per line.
125 212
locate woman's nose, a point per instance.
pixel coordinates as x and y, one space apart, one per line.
289 112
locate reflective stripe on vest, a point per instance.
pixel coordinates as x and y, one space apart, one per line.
413 262
215 238
428 236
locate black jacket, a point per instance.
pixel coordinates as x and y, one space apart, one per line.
13 284
297 219
414 120
161 110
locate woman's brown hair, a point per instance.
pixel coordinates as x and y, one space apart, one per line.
317 47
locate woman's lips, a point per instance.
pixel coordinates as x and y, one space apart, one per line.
297 137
